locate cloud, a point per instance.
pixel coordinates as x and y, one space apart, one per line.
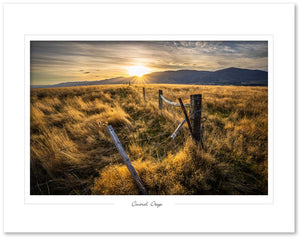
60 60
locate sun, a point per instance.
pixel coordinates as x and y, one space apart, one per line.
137 70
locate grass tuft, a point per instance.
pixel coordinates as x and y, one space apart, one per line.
72 152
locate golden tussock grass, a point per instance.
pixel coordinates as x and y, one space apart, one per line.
72 153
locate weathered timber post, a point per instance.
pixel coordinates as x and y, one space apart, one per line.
129 83
195 116
127 161
186 116
144 94
160 92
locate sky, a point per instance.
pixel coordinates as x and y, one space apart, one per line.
54 62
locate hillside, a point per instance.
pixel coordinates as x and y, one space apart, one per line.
72 153
229 76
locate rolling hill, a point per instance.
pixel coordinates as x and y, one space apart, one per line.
228 76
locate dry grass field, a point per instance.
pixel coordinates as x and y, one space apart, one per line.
72 152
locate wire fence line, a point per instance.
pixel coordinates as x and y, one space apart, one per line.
157 145
173 103
152 137
125 139
103 152
112 164
115 168
120 128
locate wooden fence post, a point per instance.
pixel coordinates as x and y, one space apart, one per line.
144 94
186 116
195 116
160 92
131 169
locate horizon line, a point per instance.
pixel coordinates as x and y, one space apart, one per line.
143 75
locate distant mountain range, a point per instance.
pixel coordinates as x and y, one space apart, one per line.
229 76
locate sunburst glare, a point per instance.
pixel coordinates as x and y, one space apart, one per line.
138 70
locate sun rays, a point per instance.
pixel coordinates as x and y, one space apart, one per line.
138 70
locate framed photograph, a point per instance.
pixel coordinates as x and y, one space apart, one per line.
150 118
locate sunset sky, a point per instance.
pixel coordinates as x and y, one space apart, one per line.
54 62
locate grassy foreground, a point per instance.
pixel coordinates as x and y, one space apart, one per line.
72 153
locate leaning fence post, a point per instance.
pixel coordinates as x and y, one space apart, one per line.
144 94
195 116
127 160
160 92
186 116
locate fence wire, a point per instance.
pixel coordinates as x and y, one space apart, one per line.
124 139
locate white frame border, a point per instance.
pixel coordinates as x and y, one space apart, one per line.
140 19
169 199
